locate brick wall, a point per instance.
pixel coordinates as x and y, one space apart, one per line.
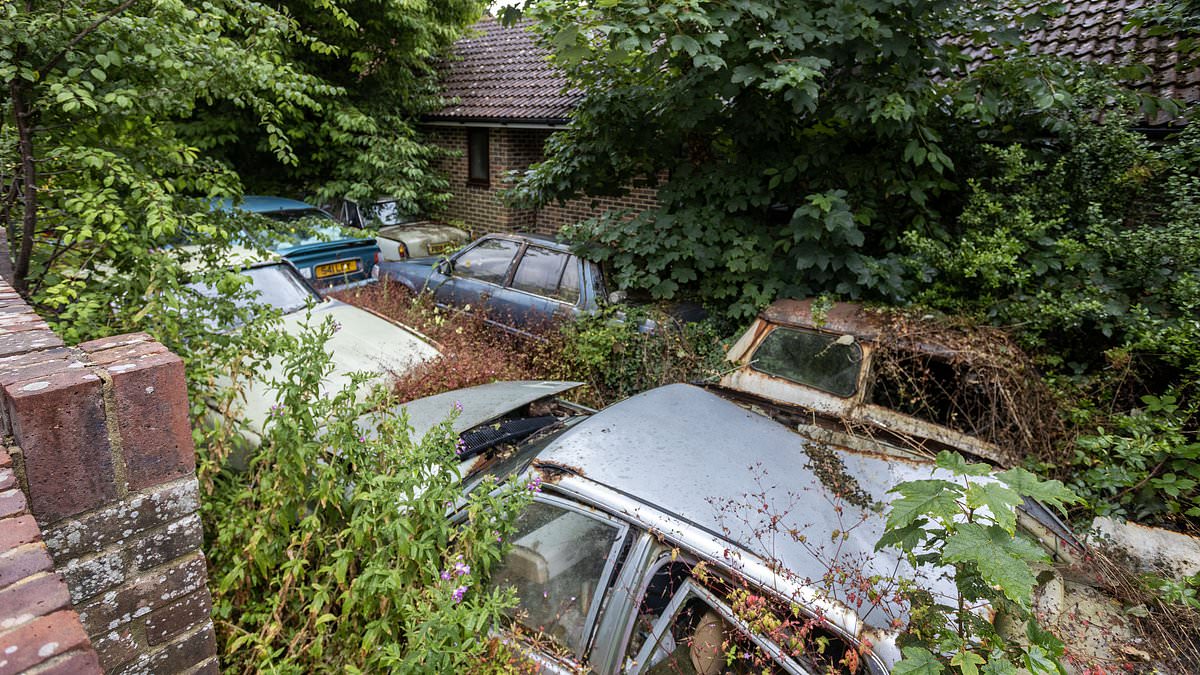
515 150
102 451
39 630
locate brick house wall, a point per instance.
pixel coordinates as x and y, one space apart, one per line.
102 467
479 207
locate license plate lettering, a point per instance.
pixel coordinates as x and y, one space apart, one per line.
336 268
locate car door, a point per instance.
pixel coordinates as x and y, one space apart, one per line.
476 274
563 558
544 289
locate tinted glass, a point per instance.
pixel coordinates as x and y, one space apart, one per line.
297 214
568 288
487 261
557 566
813 359
539 271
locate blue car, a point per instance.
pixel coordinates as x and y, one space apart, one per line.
326 256
519 282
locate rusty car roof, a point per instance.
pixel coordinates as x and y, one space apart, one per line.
841 317
687 452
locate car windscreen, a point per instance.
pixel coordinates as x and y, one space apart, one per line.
826 362
282 240
276 286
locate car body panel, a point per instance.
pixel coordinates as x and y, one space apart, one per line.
684 451
850 323
328 261
420 239
364 342
480 404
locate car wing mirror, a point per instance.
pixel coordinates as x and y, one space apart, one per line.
446 267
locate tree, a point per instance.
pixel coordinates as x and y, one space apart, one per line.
792 142
359 140
95 175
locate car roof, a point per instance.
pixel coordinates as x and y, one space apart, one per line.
688 453
262 204
540 239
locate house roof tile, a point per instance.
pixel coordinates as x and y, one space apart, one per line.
498 73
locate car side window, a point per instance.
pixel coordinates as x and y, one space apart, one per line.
488 261
697 633
539 271
568 289
830 363
560 564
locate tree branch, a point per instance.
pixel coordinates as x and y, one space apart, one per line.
53 62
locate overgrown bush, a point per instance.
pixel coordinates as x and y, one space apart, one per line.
334 550
608 354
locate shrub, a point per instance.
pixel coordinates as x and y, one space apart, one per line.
333 551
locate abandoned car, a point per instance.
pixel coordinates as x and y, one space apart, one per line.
874 377
363 341
666 523
400 235
517 283
323 253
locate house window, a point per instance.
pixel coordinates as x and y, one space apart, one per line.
478 170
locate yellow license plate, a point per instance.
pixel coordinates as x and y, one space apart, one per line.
336 268
438 249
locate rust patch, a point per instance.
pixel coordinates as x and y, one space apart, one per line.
552 472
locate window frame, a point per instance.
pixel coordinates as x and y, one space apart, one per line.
607 574
483 136
689 588
512 278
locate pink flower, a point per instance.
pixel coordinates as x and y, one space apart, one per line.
457 406
462 569
535 485
445 575
459 593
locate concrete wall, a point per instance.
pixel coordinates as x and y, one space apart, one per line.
101 450
479 206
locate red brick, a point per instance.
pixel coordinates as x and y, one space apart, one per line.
33 371
152 415
162 624
8 477
118 646
41 639
28 341
176 657
12 502
125 353
22 562
17 531
114 341
139 596
81 662
137 513
38 595
5 459
59 424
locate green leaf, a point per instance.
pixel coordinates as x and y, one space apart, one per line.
917 661
999 499
1050 492
967 662
918 498
998 565
954 462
